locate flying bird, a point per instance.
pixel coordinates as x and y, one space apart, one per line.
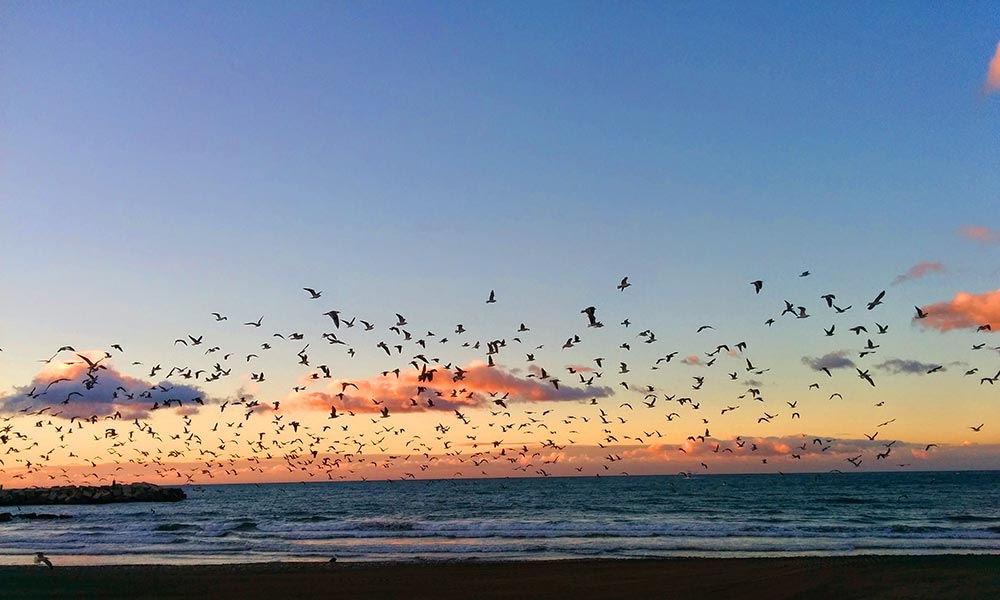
335 315
877 300
591 313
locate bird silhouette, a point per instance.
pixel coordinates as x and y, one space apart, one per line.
877 300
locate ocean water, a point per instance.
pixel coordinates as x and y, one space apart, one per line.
549 518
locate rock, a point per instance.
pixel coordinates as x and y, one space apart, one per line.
71 494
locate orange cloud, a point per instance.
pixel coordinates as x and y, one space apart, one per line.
979 233
964 311
993 73
917 271
476 385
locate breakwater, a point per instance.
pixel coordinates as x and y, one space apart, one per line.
82 494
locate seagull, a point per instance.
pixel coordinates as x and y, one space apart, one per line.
255 323
335 315
41 559
757 286
492 299
864 375
624 284
877 300
920 314
313 294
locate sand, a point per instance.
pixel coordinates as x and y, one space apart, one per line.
965 577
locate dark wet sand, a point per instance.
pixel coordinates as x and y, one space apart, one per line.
935 577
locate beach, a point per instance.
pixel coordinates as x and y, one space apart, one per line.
937 577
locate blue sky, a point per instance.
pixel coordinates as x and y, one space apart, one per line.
162 161
331 141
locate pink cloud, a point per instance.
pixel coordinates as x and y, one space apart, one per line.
993 73
980 234
964 311
475 385
919 270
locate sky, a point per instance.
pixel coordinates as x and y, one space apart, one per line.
161 162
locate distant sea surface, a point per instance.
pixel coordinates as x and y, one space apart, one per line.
517 519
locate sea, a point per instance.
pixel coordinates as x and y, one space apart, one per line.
828 514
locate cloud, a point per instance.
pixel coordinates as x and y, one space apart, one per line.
832 360
912 367
964 311
919 270
70 389
476 385
980 234
814 451
993 73
693 360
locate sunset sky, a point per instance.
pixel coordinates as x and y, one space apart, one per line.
162 162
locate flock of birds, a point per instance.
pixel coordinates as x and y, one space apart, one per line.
359 435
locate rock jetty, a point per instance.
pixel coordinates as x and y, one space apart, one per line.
6 516
104 494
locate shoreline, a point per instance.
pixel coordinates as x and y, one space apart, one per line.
101 561
862 576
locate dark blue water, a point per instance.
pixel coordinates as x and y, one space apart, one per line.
621 517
